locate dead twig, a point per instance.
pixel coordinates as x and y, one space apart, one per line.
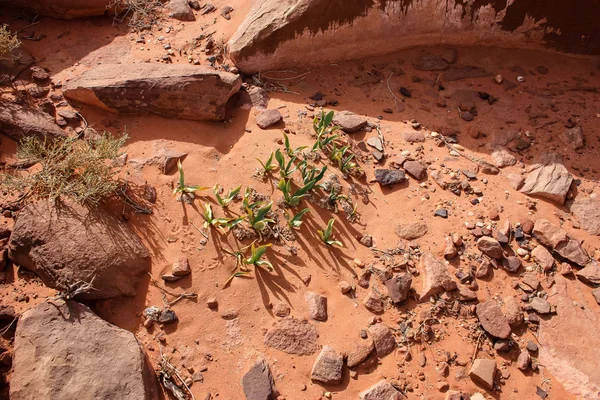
396 99
166 372
3 331
75 289
178 296
198 229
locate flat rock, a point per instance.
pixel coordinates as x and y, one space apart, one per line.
382 390
482 372
375 142
328 366
387 177
490 247
549 180
267 118
460 72
180 10
359 352
430 62
258 382
172 91
587 212
20 121
259 98
516 181
415 169
512 311
589 274
53 240
436 278
574 137
412 136
181 267
541 306
349 122
557 239
103 361
511 264
493 320
317 306
373 303
383 339
411 230
293 336
399 287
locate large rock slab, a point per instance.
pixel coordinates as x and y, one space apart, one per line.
436 278
64 351
587 212
549 180
65 9
19 121
172 91
293 336
64 243
569 348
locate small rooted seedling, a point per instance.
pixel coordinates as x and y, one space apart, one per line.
291 152
258 219
267 167
285 185
295 221
312 174
323 130
256 255
326 235
222 224
285 170
224 201
182 187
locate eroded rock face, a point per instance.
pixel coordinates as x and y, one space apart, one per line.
280 33
18 121
66 242
436 277
549 180
64 351
171 91
65 9
293 336
587 212
556 239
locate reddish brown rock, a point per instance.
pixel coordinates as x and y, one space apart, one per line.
317 306
587 212
65 9
171 91
20 121
512 311
292 336
382 390
557 239
383 339
102 360
436 277
328 366
258 382
54 242
549 180
490 247
590 273
399 287
482 372
493 320
267 118
574 137
373 303
349 122
543 257
415 169
359 353
411 230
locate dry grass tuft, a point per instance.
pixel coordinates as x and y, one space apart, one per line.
8 43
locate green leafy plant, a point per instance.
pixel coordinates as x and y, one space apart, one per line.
239 255
224 201
181 185
285 185
268 165
312 174
295 221
256 255
326 235
79 169
344 164
258 219
291 152
210 220
285 170
323 130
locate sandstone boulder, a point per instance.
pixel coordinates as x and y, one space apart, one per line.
18 121
549 180
64 351
65 242
65 9
171 91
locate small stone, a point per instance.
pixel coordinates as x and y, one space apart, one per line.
345 287
373 303
442 212
541 306
359 353
493 320
317 306
167 317
387 177
212 303
399 287
181 267
267 118
366 240
415 169
349 122
405 92
532 347
258 382
543 257
383 339
511 264
502 346
39 74
523 361
482 372
411 230
328 366
490 247
281 309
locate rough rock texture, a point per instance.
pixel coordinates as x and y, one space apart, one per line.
383 338
557 239
373 303
415 169
66 242
512 311
543 257
18 122
411 230
64 351
482 372
65 9
279 34
359 353
490 247
549 180
503 158
492 319
180 10
574 137
387 177
436 277
171 91
589 274
399 287
293 336
267 118
317 306
258 382
382 390
587 212
349 122
574 363
328 366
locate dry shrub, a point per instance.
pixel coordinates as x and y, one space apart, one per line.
8 43
80 169
141 14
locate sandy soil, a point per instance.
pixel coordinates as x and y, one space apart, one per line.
225 153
